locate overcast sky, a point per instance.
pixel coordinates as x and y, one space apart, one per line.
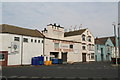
97 16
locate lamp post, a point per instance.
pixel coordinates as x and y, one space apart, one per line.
115 42
119 38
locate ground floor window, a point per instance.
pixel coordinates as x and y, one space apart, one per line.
54 54
92 55
2 57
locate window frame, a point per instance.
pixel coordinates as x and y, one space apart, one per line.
92 55
16 38
38 41
31 40
25 40
71 46
83 38
2 59
58 46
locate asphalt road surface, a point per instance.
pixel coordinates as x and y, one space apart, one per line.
82 71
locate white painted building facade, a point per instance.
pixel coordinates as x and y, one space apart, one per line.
21 44
56 37
87 43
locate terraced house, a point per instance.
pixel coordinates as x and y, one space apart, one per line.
57 46
19 45
104 49
87 43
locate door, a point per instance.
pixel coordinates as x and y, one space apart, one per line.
64 57
95 57
83 57
3 58
102 57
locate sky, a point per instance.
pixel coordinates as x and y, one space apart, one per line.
96 16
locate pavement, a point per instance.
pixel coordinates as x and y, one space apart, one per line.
76 71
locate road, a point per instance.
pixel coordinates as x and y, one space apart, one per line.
78 70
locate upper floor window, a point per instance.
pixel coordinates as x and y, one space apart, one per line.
97 47
16 39
89 38
42 41
25 39
31 40
38 41
83 47
83 37
35 41
71 46
56 45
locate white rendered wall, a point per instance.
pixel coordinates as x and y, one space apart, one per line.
7 39
31 49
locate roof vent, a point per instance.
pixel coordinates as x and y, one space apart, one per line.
58 26
54 24
45 29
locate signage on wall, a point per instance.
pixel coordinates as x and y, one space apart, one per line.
14 48
99 51
76 51
64 46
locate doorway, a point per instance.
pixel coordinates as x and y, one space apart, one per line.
64 56
3 58
83 57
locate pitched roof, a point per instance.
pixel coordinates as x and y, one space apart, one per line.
73 33
101 40
113 39
5 28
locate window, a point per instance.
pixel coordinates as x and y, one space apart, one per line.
56 45
31 40
2 57
83 47
97 47
16 39
92 55
89 56
71 46
38 41
89 38
25 39
83 37
89 47
42 41
35 41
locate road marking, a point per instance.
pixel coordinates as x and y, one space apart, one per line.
22 77
35 77
70 77
12 76
46 77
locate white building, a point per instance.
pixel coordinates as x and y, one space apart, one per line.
75 46
19 45
86 39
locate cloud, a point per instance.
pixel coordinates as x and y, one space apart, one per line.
93 15
60 0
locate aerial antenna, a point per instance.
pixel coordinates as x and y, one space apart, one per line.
75 27
65 30
80 26
70 29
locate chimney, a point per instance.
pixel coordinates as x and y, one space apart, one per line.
54 24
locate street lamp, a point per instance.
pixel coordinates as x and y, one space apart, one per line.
119 38
115 42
